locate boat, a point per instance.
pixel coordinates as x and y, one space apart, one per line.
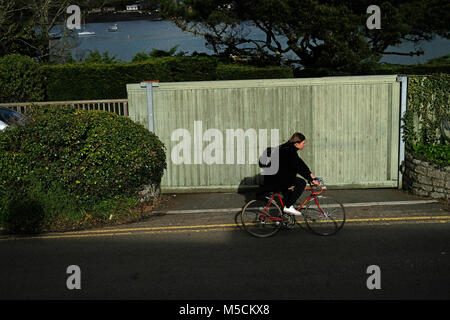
86 33
113 28
54 36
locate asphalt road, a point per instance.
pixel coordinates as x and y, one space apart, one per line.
223 262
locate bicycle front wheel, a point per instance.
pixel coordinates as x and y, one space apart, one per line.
325 217
261 218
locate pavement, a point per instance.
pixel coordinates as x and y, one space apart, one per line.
218 202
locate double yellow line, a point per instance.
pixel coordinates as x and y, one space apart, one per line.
121 232
202 228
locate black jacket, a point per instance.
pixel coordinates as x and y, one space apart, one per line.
290 164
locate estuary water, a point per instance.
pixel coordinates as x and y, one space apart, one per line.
144 35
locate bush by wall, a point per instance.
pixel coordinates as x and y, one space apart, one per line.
74 168
427 164
428 104
21 79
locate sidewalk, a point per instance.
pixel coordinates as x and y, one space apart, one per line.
366 201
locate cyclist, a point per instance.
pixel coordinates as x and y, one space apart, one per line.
286 176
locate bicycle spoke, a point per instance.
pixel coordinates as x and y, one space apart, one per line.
261 218
327 218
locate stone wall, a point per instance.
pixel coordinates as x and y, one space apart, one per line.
425 179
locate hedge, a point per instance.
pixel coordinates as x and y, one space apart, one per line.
418 69
108 81
238 72
21 79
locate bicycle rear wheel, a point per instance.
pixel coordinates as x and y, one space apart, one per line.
257 218
324 217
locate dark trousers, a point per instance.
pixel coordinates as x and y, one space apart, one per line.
289 196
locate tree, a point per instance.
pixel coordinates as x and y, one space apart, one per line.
16 32
25 27
45 14
312 34
156 53
96 57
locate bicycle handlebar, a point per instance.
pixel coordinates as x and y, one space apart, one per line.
322 187
317 179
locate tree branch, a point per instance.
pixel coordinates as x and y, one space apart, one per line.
411 54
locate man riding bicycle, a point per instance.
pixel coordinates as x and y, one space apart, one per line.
289 165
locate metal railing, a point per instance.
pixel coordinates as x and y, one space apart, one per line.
118 106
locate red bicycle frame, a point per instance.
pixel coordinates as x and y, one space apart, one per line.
312 194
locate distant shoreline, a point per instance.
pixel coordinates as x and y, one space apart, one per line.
121 16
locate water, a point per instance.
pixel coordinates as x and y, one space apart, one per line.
137 36
145 35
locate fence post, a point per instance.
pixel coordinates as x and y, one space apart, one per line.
149 85
403 99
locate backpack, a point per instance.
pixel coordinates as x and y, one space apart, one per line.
269 161
264 159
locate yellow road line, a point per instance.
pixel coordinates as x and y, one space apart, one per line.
196 228
157 228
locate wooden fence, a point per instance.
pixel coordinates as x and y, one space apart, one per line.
118 106
351 125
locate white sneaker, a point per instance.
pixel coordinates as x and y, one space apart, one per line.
292 210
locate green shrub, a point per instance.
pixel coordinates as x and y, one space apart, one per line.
97 57
89 81
417 69
24 215
80 166
428 104
438 153
445 59
239 72
21 79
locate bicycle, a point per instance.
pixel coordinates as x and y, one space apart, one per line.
323 215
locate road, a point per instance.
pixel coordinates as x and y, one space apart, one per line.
209 257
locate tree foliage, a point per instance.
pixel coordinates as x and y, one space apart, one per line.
25 26
310 33
97 57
